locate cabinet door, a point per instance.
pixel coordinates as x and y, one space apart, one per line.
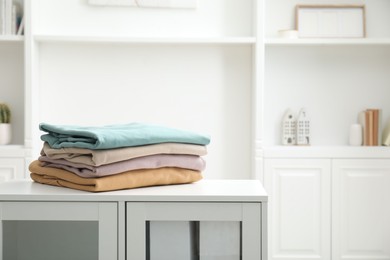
58 230
201 231
361 209
11 168
299 208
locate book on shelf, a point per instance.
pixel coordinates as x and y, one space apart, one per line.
10 17
370 119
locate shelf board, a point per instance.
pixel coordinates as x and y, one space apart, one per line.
145 40
342 151
321 42
11 38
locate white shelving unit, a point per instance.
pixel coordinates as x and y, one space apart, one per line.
326 42
196 69
333 82
12 83
12 89
219 69
148 40
227 72
322 151
11 38
325 198
334 79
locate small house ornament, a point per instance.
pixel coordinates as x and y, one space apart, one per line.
303 128
289 128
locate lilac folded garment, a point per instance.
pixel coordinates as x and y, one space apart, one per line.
190 162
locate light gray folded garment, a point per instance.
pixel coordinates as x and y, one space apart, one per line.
191 162
107 156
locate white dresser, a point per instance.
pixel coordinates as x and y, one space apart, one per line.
210 219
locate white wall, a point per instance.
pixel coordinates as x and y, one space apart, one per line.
199 88
334 83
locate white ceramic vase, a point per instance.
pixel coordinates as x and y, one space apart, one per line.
5 134
356 135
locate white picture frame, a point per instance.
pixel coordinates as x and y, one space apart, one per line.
331 21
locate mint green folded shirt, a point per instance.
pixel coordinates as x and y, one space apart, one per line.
116 136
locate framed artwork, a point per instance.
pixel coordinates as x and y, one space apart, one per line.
331 21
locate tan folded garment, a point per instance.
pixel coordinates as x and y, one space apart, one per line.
101 157
125 180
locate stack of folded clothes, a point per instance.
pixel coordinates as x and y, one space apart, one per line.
118 156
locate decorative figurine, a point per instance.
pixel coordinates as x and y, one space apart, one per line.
303 128
289 128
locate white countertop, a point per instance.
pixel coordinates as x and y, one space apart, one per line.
204 190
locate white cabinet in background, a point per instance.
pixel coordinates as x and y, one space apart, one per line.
334 208
299 208
361 209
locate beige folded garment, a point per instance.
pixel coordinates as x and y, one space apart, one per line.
101 157
125 180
